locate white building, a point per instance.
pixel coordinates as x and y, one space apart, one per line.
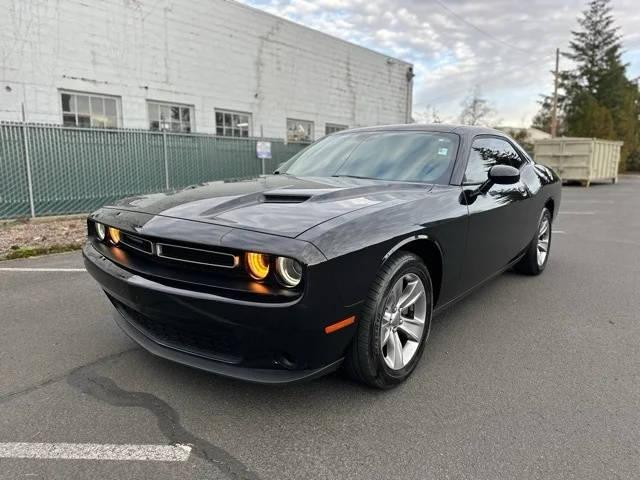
208 66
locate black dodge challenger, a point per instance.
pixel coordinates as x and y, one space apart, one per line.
341 257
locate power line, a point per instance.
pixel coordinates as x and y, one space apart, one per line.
484 32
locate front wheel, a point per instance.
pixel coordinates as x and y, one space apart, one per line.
394 323
537 254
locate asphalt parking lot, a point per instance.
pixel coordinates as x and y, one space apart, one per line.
526 378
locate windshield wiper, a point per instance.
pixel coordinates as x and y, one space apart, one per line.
355 176
383 179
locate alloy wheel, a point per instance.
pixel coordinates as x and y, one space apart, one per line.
544 235
403 321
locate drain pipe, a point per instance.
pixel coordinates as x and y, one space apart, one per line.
409 100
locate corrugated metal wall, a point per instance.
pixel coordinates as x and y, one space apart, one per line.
78 169
583 159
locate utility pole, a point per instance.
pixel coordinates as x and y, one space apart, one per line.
637 81
554 111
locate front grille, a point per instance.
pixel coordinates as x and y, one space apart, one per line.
192 336
136 242
178 253
197 255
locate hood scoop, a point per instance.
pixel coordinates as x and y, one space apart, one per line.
281 197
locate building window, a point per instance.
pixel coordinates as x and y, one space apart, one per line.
169 117
330 128
299 130
233 124
90 110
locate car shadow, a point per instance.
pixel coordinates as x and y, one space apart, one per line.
336 384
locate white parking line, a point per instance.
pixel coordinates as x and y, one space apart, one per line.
21 269
95 451
578 213
558 231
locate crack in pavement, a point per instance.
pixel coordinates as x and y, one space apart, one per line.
57 378
106 390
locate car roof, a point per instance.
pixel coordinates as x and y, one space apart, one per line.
431 127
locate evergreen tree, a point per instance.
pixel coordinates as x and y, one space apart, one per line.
585 117
595 48
599 100
542 119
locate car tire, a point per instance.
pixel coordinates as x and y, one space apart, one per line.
531 263
368 359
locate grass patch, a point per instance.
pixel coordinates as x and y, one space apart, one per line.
24 252
13 222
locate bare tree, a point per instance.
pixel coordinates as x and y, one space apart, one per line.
427 114
435 115
475 108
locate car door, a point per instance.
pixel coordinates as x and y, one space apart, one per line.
497 227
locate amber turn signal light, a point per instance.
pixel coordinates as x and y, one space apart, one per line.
257 265
114 235
338 325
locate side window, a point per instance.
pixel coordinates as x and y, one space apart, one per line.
487 152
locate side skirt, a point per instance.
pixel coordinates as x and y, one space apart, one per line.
444 306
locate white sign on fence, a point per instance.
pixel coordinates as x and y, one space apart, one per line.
263 149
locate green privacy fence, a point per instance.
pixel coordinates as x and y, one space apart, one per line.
55 170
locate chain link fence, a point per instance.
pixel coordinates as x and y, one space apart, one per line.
55 170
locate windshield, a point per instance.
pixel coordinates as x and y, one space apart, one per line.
405 156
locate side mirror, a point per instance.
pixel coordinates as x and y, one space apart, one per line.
498 175
504 175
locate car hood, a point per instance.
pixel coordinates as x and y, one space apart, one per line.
277 204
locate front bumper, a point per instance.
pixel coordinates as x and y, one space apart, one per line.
268 343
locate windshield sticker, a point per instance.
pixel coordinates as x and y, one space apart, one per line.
443 151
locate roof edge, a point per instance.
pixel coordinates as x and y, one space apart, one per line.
352 44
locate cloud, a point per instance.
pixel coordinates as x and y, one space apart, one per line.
505 47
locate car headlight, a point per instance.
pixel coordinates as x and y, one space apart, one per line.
288 271
114 234
101 232
257 265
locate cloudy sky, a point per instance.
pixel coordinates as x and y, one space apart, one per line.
505 47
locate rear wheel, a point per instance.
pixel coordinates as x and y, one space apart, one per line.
537 254
394 323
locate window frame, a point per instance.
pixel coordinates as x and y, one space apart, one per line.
117 99
311 133
159 103
232 112
524 159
